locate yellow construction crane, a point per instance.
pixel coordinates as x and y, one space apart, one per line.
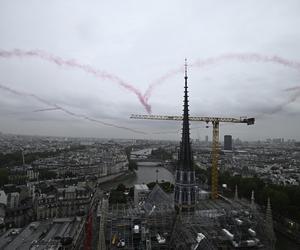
215 138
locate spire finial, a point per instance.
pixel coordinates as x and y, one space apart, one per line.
185 68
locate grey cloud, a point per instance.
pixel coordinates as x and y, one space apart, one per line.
140 42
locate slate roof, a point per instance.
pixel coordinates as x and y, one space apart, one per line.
159 198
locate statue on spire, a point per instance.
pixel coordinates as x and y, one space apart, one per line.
236 196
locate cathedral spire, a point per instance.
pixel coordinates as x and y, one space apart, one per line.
185 187
185 157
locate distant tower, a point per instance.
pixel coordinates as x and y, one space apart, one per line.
227 142
185 188
23 158
269 226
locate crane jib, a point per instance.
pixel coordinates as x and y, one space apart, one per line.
249 121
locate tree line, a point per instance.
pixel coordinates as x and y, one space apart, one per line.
15 158
285 200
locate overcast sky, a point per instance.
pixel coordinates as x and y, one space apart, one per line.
137 43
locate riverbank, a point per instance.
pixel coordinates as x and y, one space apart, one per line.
144 174
169 167
157 163
115 177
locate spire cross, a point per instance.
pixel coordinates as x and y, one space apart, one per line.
185 68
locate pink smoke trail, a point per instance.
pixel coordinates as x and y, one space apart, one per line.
294 97
295 88
159 81
241 57
33 111
291 99
43 110
55 106
74 64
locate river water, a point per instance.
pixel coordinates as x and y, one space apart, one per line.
146 173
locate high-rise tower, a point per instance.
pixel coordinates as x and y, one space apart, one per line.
185 188
227 142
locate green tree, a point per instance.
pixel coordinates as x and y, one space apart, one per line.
121 187
285 199
132 165
128 152
69 174
131 192
161 154
3 176
117 196
168 187
45 174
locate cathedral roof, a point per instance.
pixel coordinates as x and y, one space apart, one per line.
159 198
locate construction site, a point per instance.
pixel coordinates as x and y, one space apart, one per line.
214 224
185 219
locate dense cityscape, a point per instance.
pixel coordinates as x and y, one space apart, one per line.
52 187
149 125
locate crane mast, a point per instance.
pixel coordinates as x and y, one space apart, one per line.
215 159
215 138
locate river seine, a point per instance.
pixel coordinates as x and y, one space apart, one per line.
147 172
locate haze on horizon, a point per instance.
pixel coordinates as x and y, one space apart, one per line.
140 42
